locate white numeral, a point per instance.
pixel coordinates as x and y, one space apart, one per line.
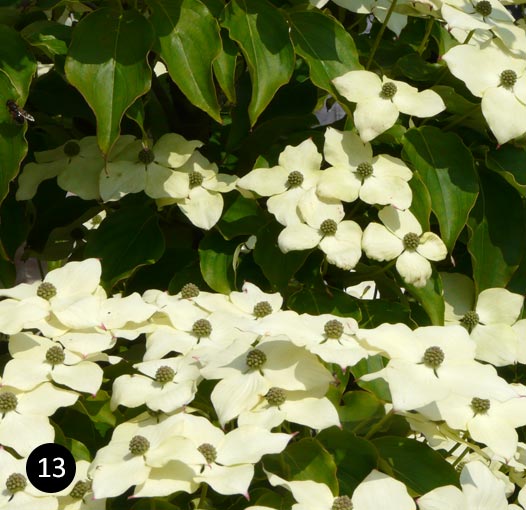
58 464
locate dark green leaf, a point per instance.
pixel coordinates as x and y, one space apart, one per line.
325 45
430 297
189 39
225 66
414 463
317 301
125 240
446 167
107 64
509 162
263 37
241 216
216 257
48 36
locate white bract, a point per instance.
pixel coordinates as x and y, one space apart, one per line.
381 100
356 173
401 237
298 170
499 78
323 226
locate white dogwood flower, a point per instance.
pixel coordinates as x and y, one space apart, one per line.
401 237
381 100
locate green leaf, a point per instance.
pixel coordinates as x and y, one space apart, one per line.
216 257
377 311
50 37
225 66
355 457
446 167
107 64
17 67
325 45
317 301
189 39
304 460
267 253
421 203
241 216
263 37
415 464
509 162
360 410
498 233
367 366
14 225
127 239
430 297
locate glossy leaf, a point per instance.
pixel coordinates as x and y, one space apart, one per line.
326 46
225 66
216 257
48 36
430 297
498 233
421 202
125 240
17 67
188 36
414 463
263 37
107 64
509 162
241 216
447 169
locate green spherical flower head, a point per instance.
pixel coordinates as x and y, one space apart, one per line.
80 489
46 290
342 503
139 445
8 402
294 179
484 8
262 309
71 149
202 328
195 179
388 90
364 170
96 220
189 291
16 482
275 396
208 451
470 320
480 405
328 227
55 355
256 358
411 241
164 374
333 329
508 78
433 357
146 156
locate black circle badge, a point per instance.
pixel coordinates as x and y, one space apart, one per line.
50 467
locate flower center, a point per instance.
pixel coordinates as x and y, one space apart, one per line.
275 396
164 374
15 482
96 220
328 227
411 241
189 290
388 90
294 179
146 156
8 402
201 328
80 489
55 355
470 320
262 309
71 149
508 78
480 405
333 329
364 170
433 357
195 179
46 290
255 358
139 445
342 503
484 8
208 451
